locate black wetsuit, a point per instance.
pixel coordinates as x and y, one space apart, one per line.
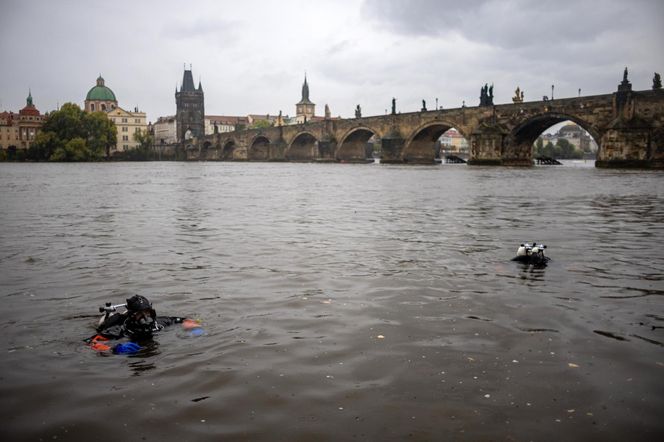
115 326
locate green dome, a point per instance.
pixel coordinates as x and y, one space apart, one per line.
100 92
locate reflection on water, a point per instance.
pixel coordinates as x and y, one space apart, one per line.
339 301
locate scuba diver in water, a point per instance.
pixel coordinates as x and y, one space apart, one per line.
139 322
532 254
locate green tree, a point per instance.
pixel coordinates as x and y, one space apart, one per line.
73 150
144 139
144 151
45 144
539 146
70 134
101 134
566 150
260 124
549 150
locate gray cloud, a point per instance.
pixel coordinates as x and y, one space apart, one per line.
517 23
205 29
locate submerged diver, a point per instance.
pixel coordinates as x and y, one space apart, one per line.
138 322
532 254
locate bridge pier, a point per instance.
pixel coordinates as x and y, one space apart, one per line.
392 147
277 151
631 141
326 149
486 146
631 146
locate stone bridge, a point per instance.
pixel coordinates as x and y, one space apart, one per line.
627 125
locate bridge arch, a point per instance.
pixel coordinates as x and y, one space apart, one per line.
420 146
353 146
205 151
524 135
228 150
259 149
304 147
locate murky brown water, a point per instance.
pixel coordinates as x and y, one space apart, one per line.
340 302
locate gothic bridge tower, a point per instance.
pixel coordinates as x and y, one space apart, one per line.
305 109
190 114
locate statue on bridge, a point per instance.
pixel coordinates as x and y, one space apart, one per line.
424 106
656 81
328 114
486 95
518 95
394 106
625 85
358 112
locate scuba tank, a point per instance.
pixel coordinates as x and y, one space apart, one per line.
109 311
521 251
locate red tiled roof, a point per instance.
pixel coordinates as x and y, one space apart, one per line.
7 116
30 110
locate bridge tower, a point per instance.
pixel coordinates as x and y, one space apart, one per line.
190 114
305 109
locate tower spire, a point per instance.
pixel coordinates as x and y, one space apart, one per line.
305 88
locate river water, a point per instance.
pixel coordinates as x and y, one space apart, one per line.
339 302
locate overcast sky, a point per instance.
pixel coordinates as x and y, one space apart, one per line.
251 56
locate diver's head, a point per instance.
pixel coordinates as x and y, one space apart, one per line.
141 319
137 303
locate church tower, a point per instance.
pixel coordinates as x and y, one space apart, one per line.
305 109
190 114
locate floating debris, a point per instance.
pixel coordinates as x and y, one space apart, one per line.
610 335
539 330
198 399
652 341
478 318
572 365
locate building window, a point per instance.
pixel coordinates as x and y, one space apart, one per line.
124 128
92 107
103 107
